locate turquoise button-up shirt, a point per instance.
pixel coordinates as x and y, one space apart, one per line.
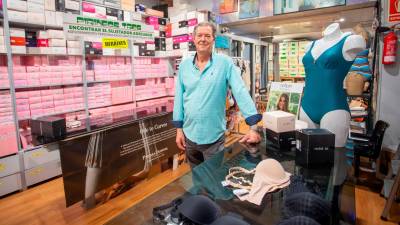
199 106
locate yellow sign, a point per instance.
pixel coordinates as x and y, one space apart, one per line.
115 43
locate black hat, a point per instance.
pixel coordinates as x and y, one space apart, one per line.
307 204
199 209
229 220
299 220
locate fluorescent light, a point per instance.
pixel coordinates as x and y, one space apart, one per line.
341 20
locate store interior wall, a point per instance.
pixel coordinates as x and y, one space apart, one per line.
389 92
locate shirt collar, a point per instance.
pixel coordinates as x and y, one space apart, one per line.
195 56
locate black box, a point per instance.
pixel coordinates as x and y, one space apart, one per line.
183 23
162 34
159 43
176 46
192 47
314 147
162 21
150 53
284 141
49 128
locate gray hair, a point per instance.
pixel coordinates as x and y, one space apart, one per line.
206 24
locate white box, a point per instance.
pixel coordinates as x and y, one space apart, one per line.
73 5
17 32
191 29
88 14
50 5
59 34
2 49
17 16
73 44
112 18
299 125
136 16
108 51
41 2
191 15
17 5
57 43
184 45
50 17
180 31
1 31
35 50
59 18
100 10
36 18
41 34
34 7
177 18
2 40
151 47
74 51
18 49
169 41
127 16
58 50
279 121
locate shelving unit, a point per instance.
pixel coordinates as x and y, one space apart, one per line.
82 105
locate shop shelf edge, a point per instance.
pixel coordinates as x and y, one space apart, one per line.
53 114
48 85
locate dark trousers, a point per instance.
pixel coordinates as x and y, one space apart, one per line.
196 153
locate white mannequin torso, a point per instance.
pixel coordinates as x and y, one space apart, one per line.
331 36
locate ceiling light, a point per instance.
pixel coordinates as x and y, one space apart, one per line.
277 27
341 20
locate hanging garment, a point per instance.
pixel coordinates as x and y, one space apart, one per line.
324 91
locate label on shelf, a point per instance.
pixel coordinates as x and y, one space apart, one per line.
115 43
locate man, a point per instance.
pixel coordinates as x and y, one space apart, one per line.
199 106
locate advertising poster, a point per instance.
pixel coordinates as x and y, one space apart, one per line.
285 97
228 6
287 6
249 9
394 10
97 160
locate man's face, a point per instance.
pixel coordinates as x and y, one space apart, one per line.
204 40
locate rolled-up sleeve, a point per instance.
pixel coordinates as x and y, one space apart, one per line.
177 118
242 96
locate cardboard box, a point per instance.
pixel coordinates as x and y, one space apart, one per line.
314 147
279 121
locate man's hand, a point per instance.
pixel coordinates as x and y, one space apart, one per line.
180 139
252 137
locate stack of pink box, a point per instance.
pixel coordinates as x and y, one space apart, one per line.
43 102
121 94
148 68
170 104
150 88
8 140
4 82
112 68
99 95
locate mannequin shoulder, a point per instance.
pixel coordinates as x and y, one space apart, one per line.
353 45
355 41
308 46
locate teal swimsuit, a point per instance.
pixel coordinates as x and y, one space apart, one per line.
323 90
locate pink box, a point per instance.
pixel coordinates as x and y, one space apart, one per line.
69 101
192 22
33 82
48 98
35 100
31 69
24 114
20 83
35 106
8 141
23 108
46 105
34 93
19 69
22 101
59 102
36 112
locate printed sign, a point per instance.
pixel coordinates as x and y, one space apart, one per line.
115 43
94 161
80 25
394 10
285 97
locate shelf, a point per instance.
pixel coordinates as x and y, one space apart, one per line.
53 114
140 78
161 57
15 24
4 89
105 81
108 105
48 85
146 99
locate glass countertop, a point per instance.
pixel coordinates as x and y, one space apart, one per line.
330 182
